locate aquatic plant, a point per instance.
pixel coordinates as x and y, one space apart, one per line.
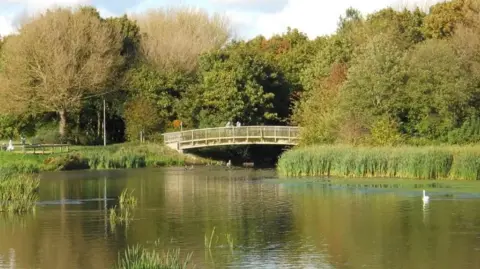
127 204
18 192
392 162
137 257
126 199
230 241
209 240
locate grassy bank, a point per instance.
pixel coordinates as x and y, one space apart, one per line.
18 192
448 162
110 157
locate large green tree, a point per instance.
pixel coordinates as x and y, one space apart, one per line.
51 71
236 84
439 88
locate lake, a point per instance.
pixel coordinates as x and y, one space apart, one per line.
273 222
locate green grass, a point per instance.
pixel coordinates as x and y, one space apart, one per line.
127 205
110 157
448 162
126 199
18 192
140 258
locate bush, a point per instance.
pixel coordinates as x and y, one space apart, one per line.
47 134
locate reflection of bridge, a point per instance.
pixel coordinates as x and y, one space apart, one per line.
244 135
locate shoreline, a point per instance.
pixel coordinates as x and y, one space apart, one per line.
119 156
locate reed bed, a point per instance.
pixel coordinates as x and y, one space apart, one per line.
137 257
18 192
98 158
449 162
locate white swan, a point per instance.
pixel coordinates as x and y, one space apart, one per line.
425 198
229 163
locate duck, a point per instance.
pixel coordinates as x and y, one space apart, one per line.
425 198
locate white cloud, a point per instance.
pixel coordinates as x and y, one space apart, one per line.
105 13
33 5
314 17
252 5
20 8
6 25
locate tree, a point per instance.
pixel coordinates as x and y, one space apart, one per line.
162 89
141 118
319 114
404 26
439 87
235 84
51 71
174 38
443 18
131 38
375 84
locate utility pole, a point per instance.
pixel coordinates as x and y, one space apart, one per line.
104 124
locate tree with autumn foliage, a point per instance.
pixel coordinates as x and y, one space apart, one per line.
52 71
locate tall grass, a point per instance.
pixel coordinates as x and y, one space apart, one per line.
140 258
110 157
394 162
18 192
127 200
127 203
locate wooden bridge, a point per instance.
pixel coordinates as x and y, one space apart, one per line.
244 135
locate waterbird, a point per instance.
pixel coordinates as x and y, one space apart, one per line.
425 198
229 163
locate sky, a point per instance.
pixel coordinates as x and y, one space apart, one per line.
249 17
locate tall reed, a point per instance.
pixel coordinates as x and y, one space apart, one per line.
18 192
394 162
111 157
140 258
124 215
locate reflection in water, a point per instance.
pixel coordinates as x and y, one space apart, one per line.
273 223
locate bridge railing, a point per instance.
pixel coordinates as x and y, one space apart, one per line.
245 132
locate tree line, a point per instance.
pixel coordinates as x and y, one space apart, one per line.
394 76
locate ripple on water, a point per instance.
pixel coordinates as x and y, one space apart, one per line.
275 223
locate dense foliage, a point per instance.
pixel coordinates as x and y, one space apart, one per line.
387 78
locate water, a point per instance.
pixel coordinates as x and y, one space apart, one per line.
274 223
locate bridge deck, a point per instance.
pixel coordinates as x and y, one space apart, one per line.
244 135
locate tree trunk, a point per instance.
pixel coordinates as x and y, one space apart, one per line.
62 127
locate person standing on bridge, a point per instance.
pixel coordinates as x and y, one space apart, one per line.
238 124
